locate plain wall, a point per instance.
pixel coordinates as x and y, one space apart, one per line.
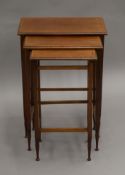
61 153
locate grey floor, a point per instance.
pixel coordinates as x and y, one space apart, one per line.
62 153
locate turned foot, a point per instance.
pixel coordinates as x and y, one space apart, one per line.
97 149
89 159
29 149
37 159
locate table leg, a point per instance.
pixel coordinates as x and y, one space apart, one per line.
39 94
36 109
32 95
99 76
101 53
89 106
28 95
94 96
23 83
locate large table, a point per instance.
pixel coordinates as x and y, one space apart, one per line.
60 26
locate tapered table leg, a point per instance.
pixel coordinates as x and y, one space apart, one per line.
100 55
36 109
39 96
23 82
89 106
28 95
99 77
94 96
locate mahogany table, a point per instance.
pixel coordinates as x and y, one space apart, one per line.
60 26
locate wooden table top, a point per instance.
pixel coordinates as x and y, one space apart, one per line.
64 54
61 42
62 26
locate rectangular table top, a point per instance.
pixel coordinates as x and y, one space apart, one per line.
89 54
62 26
62 42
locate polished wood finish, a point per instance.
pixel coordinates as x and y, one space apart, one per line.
63 54
62 42
36 109
23 83
99 76
40 112
90 106
87 27
89 103
63 89
63 130
84 67
62 26
63 102
28 95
